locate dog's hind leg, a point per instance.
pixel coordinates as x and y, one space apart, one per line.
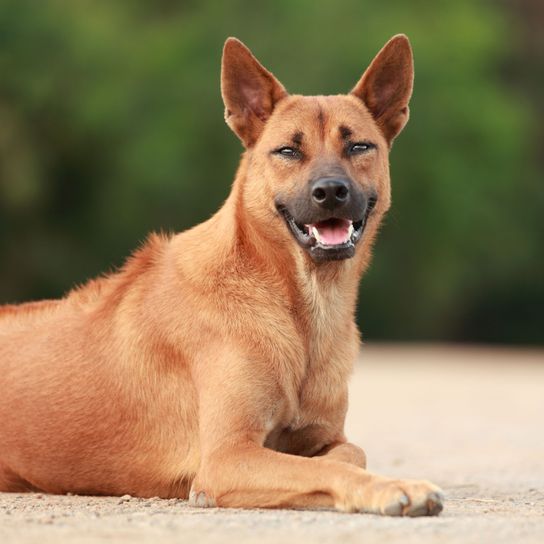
12 482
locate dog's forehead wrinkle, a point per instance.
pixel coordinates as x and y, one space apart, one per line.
331 117
321 120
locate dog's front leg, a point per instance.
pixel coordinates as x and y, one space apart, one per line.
236 404
345 452
246 475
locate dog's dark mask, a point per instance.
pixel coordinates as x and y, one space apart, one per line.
328 216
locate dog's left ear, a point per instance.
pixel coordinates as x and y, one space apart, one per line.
249 91
386 86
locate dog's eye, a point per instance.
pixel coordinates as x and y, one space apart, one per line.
288 152
360 147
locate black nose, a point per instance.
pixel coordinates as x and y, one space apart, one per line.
330 193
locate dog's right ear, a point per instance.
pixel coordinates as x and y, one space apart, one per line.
249 91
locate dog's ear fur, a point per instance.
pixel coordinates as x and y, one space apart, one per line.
386 86
249 91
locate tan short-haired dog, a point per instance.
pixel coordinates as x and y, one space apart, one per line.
214 364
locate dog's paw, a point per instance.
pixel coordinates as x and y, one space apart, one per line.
410 498
396 498
201 500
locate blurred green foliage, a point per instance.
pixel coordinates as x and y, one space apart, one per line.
111 125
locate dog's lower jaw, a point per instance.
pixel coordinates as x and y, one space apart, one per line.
342 252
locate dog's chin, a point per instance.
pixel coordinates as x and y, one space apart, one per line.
333 239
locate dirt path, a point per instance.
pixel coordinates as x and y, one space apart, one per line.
470 420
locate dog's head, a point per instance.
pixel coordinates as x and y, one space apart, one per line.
317 166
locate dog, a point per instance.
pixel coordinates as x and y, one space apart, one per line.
214 364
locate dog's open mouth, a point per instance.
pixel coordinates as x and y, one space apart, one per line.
331 239
332 232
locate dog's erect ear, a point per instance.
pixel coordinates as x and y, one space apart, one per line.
386 86
249 91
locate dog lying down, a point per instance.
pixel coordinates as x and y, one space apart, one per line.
214 365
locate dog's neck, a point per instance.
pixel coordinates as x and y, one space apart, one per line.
302 278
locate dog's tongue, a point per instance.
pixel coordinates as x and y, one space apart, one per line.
332 232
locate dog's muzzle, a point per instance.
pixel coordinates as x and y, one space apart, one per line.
330 220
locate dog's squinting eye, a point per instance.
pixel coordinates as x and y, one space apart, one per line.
360 147
288 152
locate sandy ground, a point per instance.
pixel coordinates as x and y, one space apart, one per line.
471 420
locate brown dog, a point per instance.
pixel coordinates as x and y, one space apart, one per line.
214 365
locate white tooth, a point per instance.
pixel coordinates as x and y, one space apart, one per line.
350 230
315 233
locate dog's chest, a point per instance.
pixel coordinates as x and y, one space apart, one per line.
330 345
314 416
325 318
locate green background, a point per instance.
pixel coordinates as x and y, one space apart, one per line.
111 125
